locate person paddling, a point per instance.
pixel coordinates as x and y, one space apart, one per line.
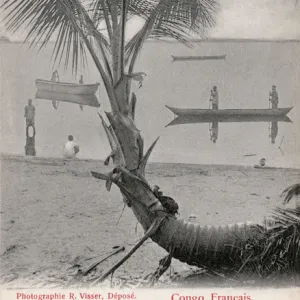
274 99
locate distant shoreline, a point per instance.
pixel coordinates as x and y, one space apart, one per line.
23 158
233 40
209 40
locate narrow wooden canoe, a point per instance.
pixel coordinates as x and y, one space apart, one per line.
89 100
66 88
189 58
190 112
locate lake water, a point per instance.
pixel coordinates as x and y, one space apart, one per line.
243 79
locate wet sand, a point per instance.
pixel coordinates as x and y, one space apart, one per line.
57 218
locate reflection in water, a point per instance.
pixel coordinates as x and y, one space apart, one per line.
214 130
30 142
274 131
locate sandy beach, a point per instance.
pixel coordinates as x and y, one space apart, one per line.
57 218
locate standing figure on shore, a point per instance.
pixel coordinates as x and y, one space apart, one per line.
274 99
70 148
81 82
214 98
55 78
30 115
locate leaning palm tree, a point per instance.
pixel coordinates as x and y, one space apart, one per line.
77 27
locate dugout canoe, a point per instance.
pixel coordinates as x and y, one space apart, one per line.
189 58
193 116
88 100
66 87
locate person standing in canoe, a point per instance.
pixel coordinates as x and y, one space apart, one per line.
274 99
70 148
30 115
55 78
81 82
214 98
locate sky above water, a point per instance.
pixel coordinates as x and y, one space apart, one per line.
270 19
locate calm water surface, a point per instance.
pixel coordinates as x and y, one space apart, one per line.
243 79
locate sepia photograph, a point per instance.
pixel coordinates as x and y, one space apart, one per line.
150 149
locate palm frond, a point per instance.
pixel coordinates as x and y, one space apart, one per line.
96 10
276 250
171 19
290 192
51 19
192 15
140 8
163 19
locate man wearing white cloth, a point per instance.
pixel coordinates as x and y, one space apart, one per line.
70 148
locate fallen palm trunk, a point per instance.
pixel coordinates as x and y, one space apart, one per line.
205 246
213 247
208 246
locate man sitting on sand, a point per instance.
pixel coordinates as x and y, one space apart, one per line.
70 148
